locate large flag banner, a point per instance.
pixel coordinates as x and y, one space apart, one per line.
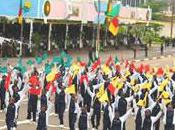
114 26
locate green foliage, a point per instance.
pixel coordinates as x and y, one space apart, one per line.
156 6
36 39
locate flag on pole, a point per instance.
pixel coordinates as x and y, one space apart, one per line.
20 13
115 11
114 26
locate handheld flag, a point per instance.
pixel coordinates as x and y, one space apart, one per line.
104 97
70 90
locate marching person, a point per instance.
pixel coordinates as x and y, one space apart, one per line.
83 119
169 117
12 111
117 121
2 92
73 109
41 125
34 91
61 104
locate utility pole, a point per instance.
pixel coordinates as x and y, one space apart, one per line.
172 17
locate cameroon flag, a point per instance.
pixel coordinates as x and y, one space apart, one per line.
114 26
20 13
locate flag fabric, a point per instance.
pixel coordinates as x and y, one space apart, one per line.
3 70
70 89
96 64
115 11
112 89
7 81
109 61
104 97
20 17
38 60
116 60
50 77
30 62
114 26
101 91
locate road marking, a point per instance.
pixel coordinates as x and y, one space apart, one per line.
154 58
162 57
146 59
56 126
18 123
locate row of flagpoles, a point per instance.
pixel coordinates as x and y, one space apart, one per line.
111 23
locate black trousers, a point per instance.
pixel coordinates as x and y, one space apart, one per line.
167 127
60 110
82 128
40 128
10 124
2 100
106 124
157 124
32 106
72 120
96 116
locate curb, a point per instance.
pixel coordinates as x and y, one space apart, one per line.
154 58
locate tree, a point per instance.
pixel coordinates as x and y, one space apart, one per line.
156 6
36 38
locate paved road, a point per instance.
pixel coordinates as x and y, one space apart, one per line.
53 120
121 53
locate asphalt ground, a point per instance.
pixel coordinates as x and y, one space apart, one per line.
53 120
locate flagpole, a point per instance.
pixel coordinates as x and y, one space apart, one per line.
98 31
107 22
21 38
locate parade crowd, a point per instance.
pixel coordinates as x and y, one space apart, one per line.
112 90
